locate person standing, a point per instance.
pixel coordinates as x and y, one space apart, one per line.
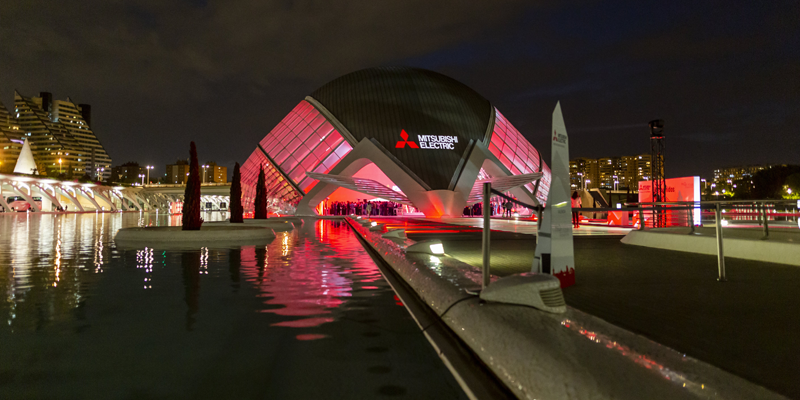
576 203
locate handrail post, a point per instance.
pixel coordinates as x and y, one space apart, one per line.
641 218
487 193
766 219
758 214
720 252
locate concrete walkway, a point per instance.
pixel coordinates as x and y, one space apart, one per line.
747 326
776 234
528 226
782 246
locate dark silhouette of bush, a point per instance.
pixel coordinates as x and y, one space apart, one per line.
191 196
237 211
261 197
768 183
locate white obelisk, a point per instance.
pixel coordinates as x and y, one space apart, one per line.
25 163
554 250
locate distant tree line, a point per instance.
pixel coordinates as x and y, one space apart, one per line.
778 182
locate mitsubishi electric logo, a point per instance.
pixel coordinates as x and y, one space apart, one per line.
402 143
437 142
559 138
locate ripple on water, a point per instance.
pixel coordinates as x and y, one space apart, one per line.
77 309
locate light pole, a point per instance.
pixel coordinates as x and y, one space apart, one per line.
59 166
585 183
142 176
204 173
99 170
149 167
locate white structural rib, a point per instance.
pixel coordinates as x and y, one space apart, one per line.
501 184
362 185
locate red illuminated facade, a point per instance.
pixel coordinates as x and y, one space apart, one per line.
430 135
303 141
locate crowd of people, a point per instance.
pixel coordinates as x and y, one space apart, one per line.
504 208
389 208
362 207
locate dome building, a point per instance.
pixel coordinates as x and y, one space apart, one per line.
401 134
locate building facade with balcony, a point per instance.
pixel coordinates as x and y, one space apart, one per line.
60 136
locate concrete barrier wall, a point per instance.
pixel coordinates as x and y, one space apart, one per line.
780 252
540 355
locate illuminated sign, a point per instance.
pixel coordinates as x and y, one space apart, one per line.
402 143
436 142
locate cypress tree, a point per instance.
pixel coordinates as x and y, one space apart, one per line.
237 212
261 197
191 196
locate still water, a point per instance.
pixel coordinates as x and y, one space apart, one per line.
307 317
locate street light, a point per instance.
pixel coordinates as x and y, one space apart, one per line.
99 170
149 167
204 173
142 176
586 183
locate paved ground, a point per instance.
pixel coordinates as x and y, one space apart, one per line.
528 226
781 233
747 326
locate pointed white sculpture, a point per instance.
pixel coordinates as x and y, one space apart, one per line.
554 248
25 162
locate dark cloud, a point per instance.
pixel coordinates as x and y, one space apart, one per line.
725 76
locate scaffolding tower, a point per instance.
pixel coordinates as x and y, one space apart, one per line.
657 169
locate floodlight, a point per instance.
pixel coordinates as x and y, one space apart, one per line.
432 247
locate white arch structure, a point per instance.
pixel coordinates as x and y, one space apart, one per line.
430 202
93 197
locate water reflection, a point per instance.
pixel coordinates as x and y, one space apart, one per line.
82 314
190 263
299 277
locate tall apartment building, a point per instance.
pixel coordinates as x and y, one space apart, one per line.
609 172
177 173
60 136
10 141
215 174
583 173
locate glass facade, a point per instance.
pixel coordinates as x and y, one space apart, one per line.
517 154
277 186
303 141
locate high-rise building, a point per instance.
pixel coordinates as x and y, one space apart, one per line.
215 174
177 173
584 173
60 136
10 141
613 173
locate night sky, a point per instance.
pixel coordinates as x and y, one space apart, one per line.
724 75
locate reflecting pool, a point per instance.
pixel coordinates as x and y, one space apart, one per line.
308 316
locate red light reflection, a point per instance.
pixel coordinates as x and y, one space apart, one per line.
308 272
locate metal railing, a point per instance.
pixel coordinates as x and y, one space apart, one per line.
690 215
673 214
